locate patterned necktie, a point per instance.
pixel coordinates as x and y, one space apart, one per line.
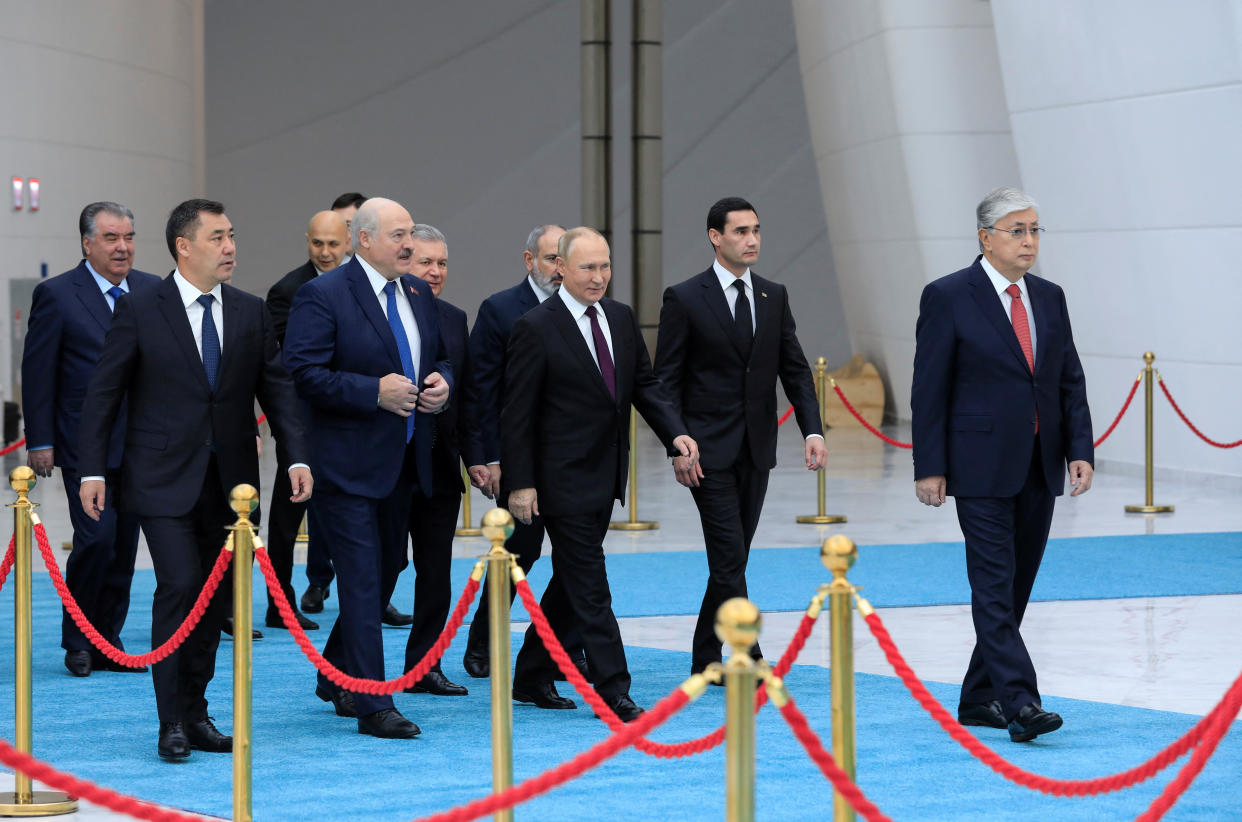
115 292
1017 314
211 340
403 347
602 354
742 327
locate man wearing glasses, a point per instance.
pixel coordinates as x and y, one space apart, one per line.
999 407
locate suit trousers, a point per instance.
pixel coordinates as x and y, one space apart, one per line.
729 502
578 594
100 567
319 570
283 520
1005 540
183 551
432 522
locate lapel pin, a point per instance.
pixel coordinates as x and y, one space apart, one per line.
412 291
763 293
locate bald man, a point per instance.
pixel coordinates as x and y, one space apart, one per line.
327 240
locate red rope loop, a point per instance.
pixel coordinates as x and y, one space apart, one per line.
828 766
866 424
97 639
338 677
10 556
1165 388
1207 732
11 448
1124 407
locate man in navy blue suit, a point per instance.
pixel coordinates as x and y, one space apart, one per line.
999 407
68 320
364 348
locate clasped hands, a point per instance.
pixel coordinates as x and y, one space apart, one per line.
399 395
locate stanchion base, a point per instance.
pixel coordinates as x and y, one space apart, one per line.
43 803
822 519
1149 509
468 532
633 526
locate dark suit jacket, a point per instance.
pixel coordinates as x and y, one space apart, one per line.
452 439
176 420
721 395
69 318
280 296
561 432
974 400
337 347
489 346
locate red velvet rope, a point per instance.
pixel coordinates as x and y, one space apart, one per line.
10 449
1124 407
7 564
828 766
1207 732
866 424
262 419
107 648
1202 436
788 413
338 677
647 746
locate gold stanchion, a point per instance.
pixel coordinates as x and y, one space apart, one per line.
244 499
466 529
498 527
23 801
1149 456
303 535
821 476
838 554
737 625
633 524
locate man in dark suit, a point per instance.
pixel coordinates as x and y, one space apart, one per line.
999 407
484 398
193 354
69 317
576 363
364 349
725 337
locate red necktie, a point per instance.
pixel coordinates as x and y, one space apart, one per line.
1017 314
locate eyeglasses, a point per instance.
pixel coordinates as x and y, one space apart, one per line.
1019 233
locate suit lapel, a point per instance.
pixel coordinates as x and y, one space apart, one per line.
174 314
526 296
714 299
360 287
985 297
1042 308
230 310
765 310
92 299
425 317
568 329
622 362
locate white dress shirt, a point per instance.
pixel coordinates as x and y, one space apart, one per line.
105 286
578 311
194 310
540 293
727 279
404 311
1000 283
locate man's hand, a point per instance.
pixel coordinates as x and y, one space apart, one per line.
434 395
930 490
524 504
397 394
1081 473
302 481
686 467
91 493
258 444
486 478
816 454
41 461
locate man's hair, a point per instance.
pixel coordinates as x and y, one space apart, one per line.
86 220
367 219
536 234
998 203
349 198
718 214
567 239
428 234
183 220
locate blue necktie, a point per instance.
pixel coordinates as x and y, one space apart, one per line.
403 347
211 340
115 292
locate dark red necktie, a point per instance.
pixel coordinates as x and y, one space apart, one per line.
604 357
1017 314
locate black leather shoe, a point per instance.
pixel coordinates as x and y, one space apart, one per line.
388 724
477 662
581 664
342 701
105 664
983 714
1032 721
273 620
204 736
78 662
227 628
174 745
623 707
541 695
312 600
395 618
435 682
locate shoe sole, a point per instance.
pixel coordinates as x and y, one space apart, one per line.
174 757
1030 733
387 736
526 699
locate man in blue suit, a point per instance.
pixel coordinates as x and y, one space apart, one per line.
364 348
999 407
64 339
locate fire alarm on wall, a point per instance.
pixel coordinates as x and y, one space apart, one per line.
34 193
18 185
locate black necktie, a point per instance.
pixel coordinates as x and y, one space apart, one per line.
742 327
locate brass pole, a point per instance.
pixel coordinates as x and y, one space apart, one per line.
466 529
498 527
838 554
632 524
244 499
1150 506
821 476
23 801
737 625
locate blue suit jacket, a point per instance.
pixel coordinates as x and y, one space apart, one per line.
69 318
338 345
975 400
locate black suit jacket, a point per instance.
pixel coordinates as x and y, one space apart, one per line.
721 395
280 296
452 439
176 420
561 431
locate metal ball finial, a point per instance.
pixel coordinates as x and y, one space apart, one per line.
244 498
1149 357
497 525
838 553
737 624
22 479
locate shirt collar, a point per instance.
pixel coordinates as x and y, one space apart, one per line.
576 308
727 277
102 282
190 292
1000 282
540 293
377 280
